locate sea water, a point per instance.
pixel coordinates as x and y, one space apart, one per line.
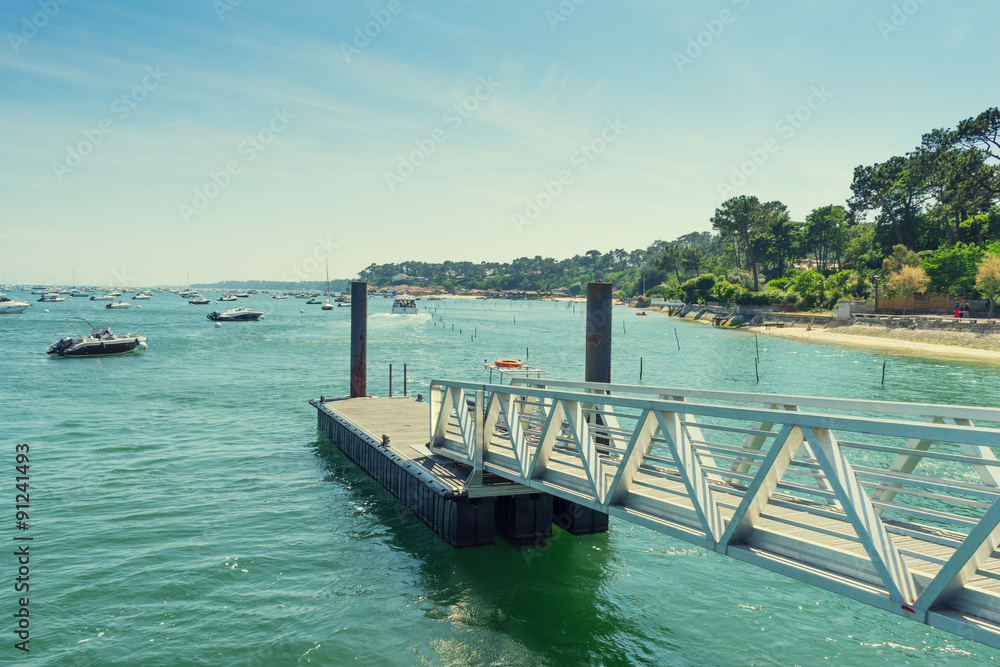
185 511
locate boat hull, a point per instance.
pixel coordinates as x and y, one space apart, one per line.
97 349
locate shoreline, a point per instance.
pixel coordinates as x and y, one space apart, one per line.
923 343
953 346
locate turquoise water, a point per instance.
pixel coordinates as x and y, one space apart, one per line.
185 511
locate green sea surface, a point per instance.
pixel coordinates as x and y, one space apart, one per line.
184 510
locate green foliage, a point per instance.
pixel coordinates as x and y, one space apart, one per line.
808 285
698 289
952 269
724 291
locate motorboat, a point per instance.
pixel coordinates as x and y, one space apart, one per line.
239 314
12 307
142 295
198 300
99 342
103 297
242 295
404 305
51 297
228 297
118 304
279 296
313 301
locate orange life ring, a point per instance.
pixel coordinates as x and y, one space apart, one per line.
507 363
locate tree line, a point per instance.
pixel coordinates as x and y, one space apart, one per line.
927 220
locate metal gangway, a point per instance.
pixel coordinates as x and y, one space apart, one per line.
896 505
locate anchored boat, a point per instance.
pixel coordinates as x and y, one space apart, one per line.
100 341
240 314
11 307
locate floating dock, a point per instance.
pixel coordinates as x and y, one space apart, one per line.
388 438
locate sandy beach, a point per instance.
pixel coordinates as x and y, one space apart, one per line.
953 345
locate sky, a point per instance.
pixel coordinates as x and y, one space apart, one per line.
175 141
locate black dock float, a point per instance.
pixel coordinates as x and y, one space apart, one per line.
576 519
524 517
432 489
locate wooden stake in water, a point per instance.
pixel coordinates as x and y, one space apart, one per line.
390 380
640 369
525 354
755 371
883 373
404 379
678 339
756 346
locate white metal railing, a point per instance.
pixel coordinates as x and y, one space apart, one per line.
893 504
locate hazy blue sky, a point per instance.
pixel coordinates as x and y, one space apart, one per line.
242 139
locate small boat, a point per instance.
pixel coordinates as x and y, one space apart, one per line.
641 312
242 295
239 314
313 301
103 297
228 297
142 296
279 296
100 341
51 297
198 300
12 307
118 304
404 305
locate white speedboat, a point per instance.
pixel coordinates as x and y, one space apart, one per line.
103 297
239 314
118 304
12 307
100 341
198 300
142 296
404 305
228 297
51 297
